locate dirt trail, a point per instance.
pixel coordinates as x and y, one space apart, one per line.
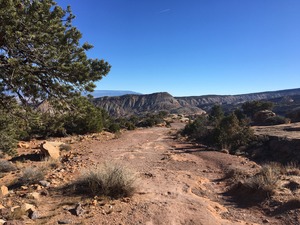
176 182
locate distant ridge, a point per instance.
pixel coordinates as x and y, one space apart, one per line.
127 105
103 93
140 104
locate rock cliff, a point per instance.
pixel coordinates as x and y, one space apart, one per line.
138 104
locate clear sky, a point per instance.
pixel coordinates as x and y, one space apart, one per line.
193 47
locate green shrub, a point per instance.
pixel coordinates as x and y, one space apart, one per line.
220 131
198 130
276 120
109 180
83 117
114 128
9 128
129 125
252 107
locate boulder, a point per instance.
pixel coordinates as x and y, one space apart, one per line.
50 149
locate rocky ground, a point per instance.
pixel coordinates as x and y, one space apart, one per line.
177 183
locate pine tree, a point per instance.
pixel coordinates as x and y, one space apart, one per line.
40 52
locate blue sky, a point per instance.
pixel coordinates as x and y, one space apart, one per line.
193 47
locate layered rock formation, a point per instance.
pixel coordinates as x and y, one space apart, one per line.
138 104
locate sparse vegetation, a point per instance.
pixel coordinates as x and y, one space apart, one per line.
42 59
65 147
6 166
230 132
32 175
51 163
253 107
109 180
256 188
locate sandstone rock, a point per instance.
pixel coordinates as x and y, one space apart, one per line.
3 191
26 207
34 195
23 145
2 221
14 208
24 187
50 149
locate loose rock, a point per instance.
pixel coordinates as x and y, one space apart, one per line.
3 191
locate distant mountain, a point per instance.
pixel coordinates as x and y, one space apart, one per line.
207 101
102 93
139 104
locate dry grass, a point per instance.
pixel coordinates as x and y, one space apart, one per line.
51 163
253 189
266 180
16 214
6 166
109 180
292 169
235 175
32 175
65 147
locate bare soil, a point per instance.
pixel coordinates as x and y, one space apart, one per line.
178 183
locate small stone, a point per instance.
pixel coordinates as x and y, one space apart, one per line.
2 207
78 210
2 221
266 221
34 195
3 191
26 207
95 202
33 214
44 183
64 221
23 145
226 151
44 192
